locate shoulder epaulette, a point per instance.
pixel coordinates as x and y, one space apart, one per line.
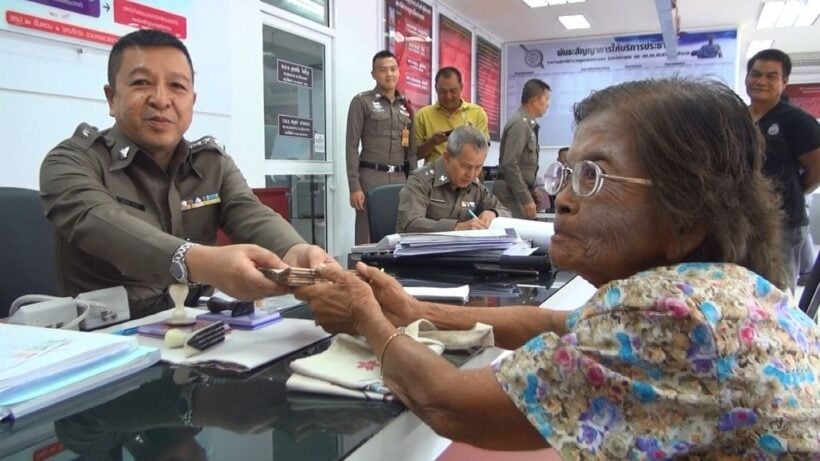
206 143
85 135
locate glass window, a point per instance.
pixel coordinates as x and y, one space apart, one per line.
314 10
308 205
294 89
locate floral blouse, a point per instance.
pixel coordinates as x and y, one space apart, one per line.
693 359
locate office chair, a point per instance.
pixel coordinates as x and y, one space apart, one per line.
811 291
382 210
27 262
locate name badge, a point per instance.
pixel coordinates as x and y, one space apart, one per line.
200 201
467 204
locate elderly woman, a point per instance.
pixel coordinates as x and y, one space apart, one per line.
687 348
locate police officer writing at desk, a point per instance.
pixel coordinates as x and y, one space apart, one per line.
447 195
380 121
137 205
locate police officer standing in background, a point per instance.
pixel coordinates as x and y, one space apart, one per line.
379 119
518 158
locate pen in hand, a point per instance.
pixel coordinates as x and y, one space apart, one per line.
472 214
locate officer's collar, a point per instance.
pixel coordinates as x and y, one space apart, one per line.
440 172
377 94
123 151
527 117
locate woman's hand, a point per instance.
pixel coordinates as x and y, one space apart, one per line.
398 306
343 306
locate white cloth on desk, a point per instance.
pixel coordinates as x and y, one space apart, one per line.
349 368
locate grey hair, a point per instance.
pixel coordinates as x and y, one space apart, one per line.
465 135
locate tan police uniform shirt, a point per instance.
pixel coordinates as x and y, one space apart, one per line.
119 217
430 203
517 163
377 124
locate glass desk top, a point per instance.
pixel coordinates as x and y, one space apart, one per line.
235 417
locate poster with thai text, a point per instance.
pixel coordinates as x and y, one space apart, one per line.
455 46
95 21
410 38
488 84
575 68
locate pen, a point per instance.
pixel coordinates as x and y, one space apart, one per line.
472 214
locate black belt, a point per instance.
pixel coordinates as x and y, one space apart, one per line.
382 167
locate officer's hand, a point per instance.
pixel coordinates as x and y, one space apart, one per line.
470 225
486 218
439 137
233 269
310 256
357 200
529 210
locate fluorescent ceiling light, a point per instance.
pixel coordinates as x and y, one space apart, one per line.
575 21
809 14
758 45
789 13
540 3
769 14
781 13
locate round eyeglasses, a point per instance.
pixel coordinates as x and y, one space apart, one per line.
587 178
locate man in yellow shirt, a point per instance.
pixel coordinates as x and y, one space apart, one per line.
434 123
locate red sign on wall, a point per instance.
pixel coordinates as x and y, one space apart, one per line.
409 37
145 17
488 84
455 50
805 96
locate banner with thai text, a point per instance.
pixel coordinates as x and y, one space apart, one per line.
575 68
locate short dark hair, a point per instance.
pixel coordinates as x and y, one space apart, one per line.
533 88
772 54
448 72
700 147
381 55
146 38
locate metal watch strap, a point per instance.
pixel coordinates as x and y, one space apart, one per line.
179 258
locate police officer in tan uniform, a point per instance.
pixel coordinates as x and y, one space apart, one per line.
137 205
380 121
446 195
518 158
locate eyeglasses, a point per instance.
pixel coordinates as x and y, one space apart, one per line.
587 178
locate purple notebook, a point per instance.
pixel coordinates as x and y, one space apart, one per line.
259 318
158 329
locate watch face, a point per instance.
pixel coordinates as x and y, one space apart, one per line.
178 272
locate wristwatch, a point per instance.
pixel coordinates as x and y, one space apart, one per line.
179 268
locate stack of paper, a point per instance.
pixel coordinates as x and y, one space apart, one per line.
428 293
42 366
455 242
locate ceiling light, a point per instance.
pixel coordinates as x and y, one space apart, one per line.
769 14
809 14
540 3
758 45
781 13
789 13
575 21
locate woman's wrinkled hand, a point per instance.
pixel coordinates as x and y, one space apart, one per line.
342 306
398 306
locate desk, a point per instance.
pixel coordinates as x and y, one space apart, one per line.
254 418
